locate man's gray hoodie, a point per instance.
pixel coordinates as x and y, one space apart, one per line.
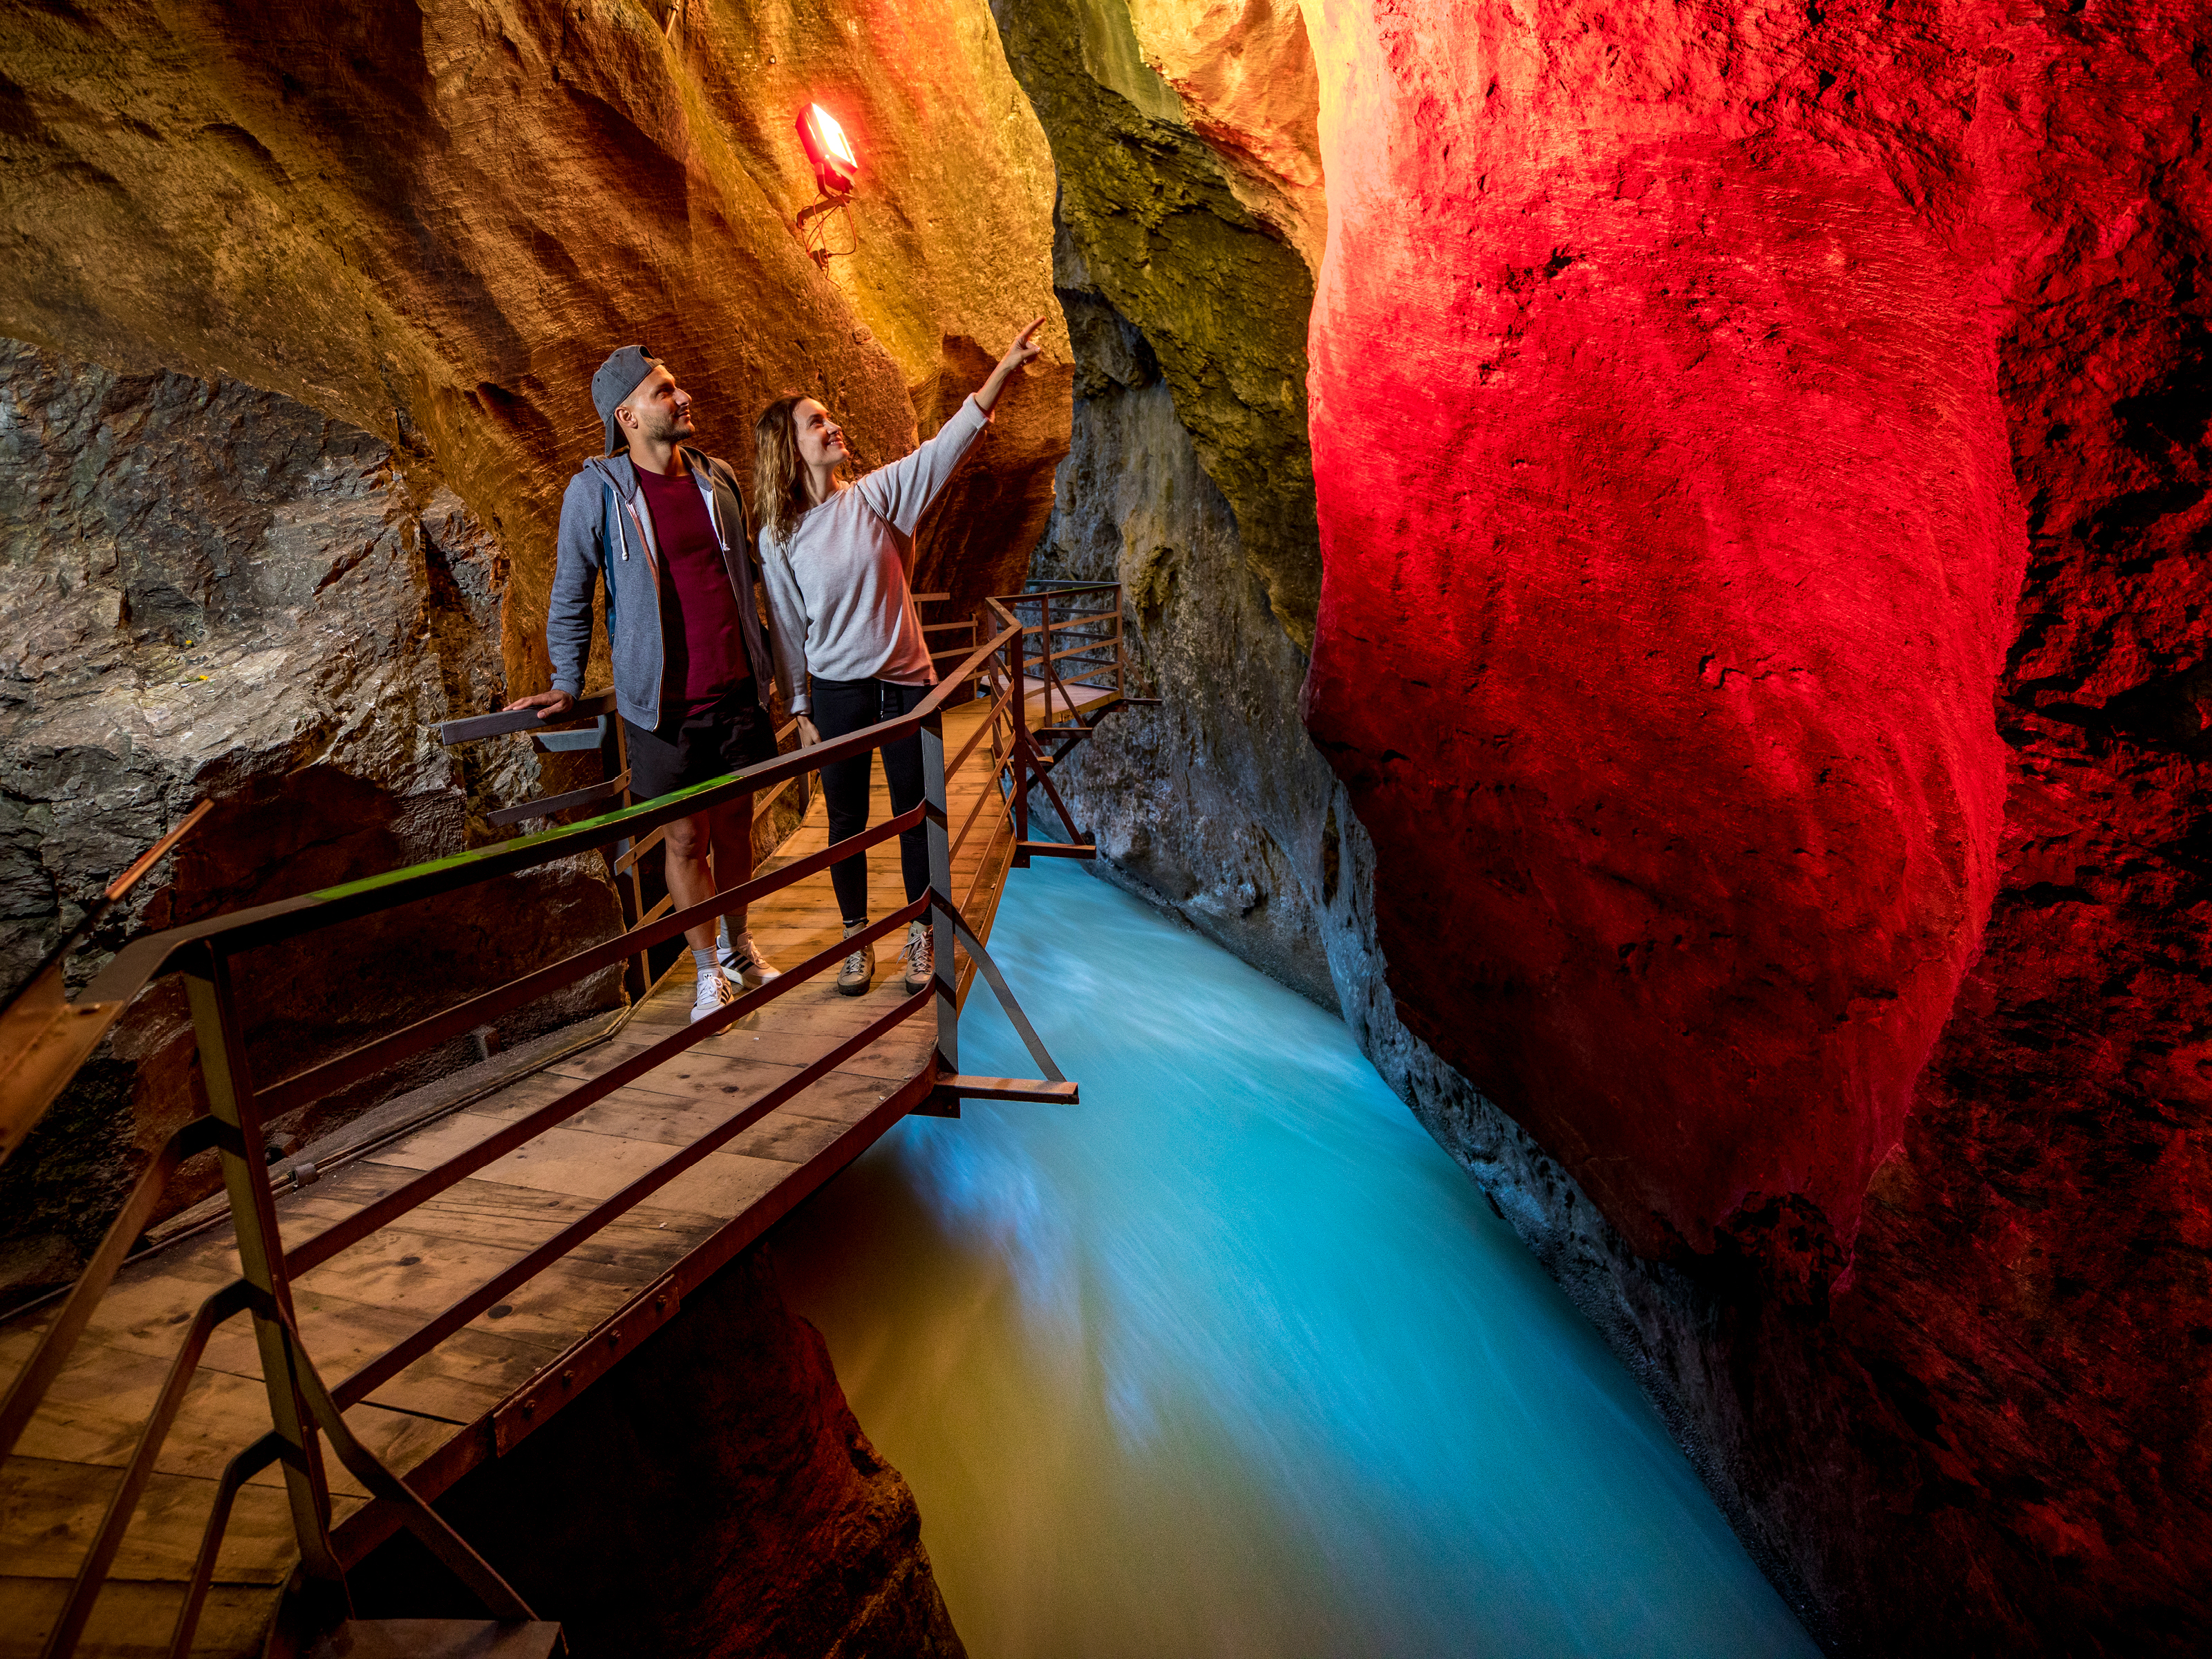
606 534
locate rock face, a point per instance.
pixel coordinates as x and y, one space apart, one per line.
1762 476
712 1498
1791 664
1178 267
434 222
213 593
1213 802
308 339
1211 283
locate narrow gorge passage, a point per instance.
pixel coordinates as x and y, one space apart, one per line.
1232 1358
1659 560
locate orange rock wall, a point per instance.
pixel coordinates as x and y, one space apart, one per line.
434 222
242 239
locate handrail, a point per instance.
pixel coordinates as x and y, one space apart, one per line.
577 715
1058 589
380 1213
45 974
139 961
44 1035
404 1354
312 1082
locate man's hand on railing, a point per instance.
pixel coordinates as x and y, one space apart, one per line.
549 705
808 736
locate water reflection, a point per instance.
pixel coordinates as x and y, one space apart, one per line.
1231 1359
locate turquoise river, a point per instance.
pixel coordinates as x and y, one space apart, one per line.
1231 1359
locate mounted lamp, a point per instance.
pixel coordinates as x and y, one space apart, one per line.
828 150
835 168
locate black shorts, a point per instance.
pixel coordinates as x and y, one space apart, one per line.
725 736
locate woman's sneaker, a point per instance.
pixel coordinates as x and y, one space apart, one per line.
715 993
742 962
860 970
920 955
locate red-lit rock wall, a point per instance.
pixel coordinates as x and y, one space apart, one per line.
1761 463
1664 467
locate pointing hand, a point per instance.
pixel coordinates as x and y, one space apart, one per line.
1025 349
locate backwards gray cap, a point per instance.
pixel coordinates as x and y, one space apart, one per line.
622 373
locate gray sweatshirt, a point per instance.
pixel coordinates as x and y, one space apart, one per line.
606 535
838 601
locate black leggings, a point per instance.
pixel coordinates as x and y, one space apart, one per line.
844 706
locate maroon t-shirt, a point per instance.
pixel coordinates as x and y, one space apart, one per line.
700 631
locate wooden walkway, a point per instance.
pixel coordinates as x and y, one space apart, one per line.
489 1385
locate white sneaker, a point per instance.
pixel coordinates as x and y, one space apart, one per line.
715 993
920 955
742 962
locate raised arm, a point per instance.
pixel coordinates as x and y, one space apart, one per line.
902 491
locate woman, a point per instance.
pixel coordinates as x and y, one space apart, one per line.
834 551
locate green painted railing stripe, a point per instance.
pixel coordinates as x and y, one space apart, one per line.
583 829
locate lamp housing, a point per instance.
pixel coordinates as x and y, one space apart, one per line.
831 151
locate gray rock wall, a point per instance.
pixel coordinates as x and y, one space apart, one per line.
1212 803
210 591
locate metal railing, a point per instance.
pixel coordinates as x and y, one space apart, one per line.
303 1410
966 632
592 723
1078 630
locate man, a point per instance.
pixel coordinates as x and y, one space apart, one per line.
663 527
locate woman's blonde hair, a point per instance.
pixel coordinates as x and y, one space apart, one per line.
778 478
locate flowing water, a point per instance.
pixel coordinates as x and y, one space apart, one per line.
1230 1358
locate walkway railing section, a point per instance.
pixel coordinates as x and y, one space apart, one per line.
1074 650
591 723
305 1411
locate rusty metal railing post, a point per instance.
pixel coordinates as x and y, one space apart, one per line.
1121 652
1018 653
630 883
260 1252
1044 648
938 820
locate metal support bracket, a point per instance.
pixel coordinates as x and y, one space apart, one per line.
953 1089
584 1363
989 969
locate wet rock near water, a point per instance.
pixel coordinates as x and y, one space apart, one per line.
712 1498
1213 802
1761 480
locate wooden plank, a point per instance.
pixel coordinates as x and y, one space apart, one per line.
963 1087
557 1160
133 1620
50 1511
95 1415
690 1110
